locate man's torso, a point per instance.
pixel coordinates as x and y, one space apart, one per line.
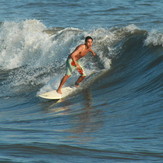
82 53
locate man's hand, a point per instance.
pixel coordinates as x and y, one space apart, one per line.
93 53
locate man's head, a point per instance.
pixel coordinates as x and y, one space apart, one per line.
88 41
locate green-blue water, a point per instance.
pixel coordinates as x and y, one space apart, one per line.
117 114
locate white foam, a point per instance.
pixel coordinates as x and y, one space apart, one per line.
154 38
50 85
26 44
131 28
22 43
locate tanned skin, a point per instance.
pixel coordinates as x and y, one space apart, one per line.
78 53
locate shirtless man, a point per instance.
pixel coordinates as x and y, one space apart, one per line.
73 63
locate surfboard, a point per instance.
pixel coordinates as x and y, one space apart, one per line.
56 96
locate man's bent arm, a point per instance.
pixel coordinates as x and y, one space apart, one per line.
93 53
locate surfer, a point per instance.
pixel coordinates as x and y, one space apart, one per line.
73 62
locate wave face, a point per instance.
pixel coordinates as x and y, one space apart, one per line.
116 115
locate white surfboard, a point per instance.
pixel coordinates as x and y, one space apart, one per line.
54 95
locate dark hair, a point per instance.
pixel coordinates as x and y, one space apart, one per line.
87 38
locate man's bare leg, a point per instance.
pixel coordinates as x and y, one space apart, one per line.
80 79
63 81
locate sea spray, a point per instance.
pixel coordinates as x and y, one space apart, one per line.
154 38
21 43
36 57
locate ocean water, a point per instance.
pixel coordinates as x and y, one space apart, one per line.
115 116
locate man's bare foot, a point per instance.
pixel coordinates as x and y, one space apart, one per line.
76 85
59 91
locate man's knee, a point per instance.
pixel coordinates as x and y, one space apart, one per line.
83 76
67 76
